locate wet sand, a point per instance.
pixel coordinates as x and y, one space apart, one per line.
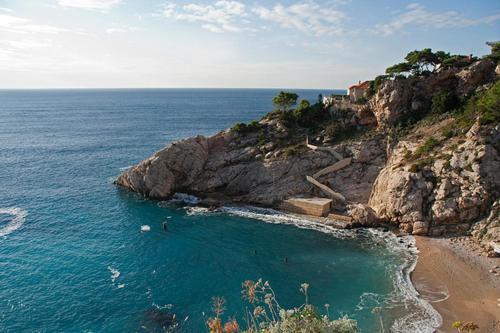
458 283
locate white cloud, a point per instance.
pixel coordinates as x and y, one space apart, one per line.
13 45
416 15
168 9
15 24
100 5
121 29
308 17
219 17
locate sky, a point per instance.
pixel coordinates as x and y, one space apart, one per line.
228 43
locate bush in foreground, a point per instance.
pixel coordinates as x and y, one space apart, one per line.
265 314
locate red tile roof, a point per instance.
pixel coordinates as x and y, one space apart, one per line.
361 85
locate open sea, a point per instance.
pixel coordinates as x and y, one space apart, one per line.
72 254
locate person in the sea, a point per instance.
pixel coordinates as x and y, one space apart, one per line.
164 226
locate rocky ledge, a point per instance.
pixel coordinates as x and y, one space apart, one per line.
436 175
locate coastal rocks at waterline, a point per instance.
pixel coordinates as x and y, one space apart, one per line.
444 189
235 166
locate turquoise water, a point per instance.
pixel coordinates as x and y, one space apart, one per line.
73 258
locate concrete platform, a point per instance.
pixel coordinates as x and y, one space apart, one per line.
308 206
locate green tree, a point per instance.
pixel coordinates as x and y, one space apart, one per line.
495 51
402 67
304 104
423 61
285 100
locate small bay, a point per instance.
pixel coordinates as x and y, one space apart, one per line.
72 254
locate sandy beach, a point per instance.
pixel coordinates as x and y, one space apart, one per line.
459 283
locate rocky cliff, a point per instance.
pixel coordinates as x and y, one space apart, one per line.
426 173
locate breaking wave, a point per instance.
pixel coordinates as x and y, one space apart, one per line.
115 273
419 316
17 220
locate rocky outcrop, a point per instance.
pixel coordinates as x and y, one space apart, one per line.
396 98
443 191
487 232
453 189
391 101
235 165
174 168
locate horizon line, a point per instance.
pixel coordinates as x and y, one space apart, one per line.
178 88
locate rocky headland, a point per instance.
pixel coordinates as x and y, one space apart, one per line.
421 153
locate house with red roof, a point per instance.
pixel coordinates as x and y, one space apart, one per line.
357 91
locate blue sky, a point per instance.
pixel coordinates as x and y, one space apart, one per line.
225 43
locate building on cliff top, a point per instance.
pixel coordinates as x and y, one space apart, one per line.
357 91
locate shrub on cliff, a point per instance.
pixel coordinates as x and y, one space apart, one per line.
488 105
307 115
375 85
266 315
243 128
445 101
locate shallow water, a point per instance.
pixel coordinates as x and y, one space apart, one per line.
72 254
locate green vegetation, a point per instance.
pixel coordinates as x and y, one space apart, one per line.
465 327
425 61
307 115
485 106
243 128
265 314
495 51
445 101
423 150
333 129
295 150
418 166
285 100
375 85
488 105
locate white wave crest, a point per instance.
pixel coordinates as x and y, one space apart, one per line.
276 217
196 210
115 273
18 218
420 317
126 168
185 199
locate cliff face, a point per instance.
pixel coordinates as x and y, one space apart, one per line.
400 97
234 165
425 187
454 187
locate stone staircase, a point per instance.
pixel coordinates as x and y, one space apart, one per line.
321 206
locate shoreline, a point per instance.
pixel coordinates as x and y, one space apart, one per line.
458 282
427 316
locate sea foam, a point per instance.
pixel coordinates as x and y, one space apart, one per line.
18 218
114 273
421 317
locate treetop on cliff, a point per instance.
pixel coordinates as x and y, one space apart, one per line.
285 100
420 62
495 51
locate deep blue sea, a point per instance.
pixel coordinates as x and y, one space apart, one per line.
72 254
